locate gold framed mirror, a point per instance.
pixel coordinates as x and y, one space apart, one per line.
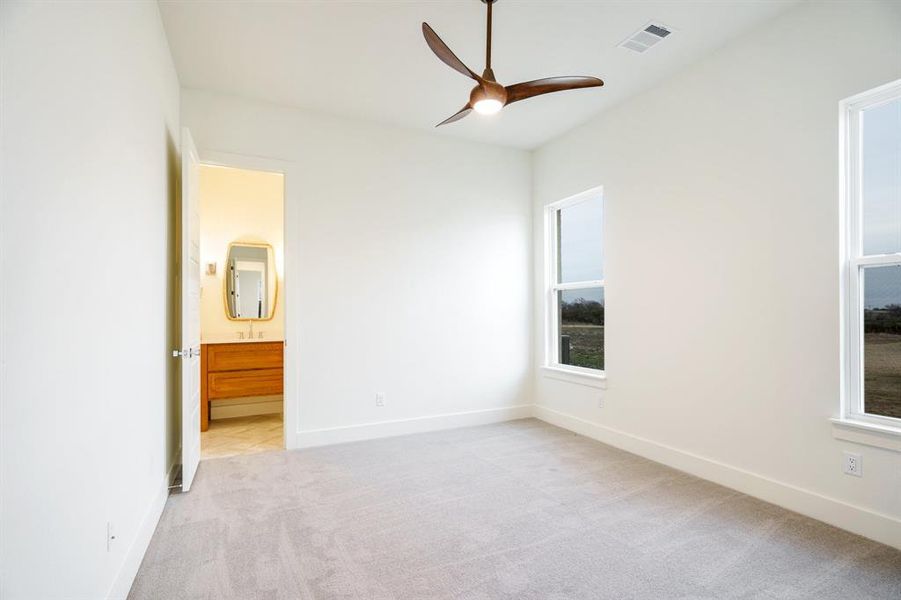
250 282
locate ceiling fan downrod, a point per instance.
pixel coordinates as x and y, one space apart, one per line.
488 70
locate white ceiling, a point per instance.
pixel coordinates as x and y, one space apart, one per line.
368 60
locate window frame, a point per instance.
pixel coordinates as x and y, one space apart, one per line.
552 285
853 262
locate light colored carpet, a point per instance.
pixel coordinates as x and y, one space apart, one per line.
519 510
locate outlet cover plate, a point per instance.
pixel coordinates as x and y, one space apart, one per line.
852 464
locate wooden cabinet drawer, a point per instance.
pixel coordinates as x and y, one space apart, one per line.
236 384
236 357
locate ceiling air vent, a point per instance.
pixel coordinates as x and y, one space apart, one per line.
645 38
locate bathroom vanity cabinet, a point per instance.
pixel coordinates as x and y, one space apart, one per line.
239 370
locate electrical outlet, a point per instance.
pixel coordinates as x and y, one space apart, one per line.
380 398
600 400
110 536
852 464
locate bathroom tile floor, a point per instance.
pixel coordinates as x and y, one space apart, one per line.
242 435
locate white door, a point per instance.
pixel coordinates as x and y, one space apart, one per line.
190 311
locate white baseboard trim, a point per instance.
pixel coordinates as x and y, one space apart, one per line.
870 524
135 554
382 429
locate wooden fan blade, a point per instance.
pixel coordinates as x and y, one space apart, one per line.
463 112
444 53
528 89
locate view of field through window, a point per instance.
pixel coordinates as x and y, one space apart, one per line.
582 328
882 341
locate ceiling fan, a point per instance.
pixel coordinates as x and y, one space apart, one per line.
488 96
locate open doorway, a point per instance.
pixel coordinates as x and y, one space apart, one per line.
242 324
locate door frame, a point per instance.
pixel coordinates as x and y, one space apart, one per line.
273 165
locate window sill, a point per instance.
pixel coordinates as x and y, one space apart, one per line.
869 434
586 378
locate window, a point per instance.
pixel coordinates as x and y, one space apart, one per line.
872 256
575 289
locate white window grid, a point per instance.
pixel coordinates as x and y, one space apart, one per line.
853 261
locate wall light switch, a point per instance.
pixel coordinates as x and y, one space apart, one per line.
380 399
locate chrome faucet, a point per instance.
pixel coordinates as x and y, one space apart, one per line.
249 335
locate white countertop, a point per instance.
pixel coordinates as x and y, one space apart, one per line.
232 338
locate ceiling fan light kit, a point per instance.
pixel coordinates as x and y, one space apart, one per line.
488 106
488 97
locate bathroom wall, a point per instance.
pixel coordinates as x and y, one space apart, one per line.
238 205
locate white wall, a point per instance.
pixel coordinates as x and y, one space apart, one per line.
722 264
237 205
89 153
407 268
